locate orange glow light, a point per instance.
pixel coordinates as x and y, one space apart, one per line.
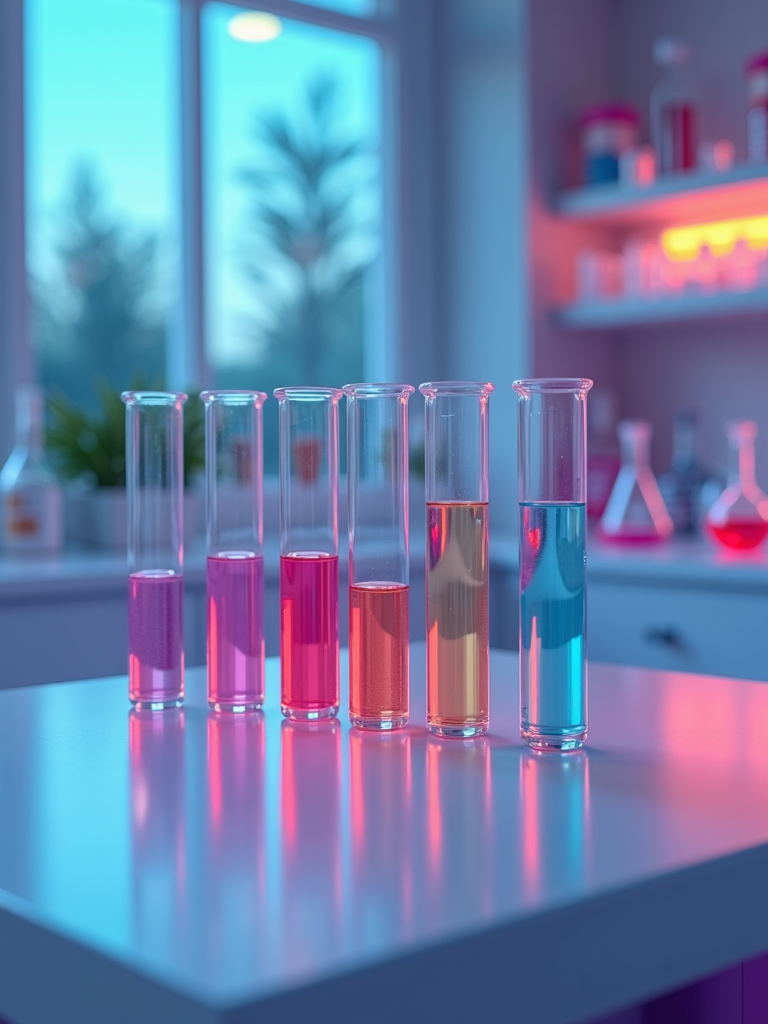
684 244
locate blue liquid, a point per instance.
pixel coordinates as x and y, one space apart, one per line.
553 665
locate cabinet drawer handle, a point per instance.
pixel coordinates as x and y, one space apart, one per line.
664 636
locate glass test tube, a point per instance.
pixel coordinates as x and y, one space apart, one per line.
552 483
309 551
155 494
377 473
456 463
234 539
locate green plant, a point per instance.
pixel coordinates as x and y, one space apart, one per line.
91 445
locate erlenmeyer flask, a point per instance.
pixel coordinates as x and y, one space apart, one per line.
739 517
635 512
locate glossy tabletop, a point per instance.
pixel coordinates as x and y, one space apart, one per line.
186 866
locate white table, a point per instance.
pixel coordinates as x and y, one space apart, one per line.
187 867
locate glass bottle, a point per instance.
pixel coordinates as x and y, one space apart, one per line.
377 474
552 492
309 551
457 557
603 461
234 539
155 493
32 518
635 512
681 486
739 517
673 108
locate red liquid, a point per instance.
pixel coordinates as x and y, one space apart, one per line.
378 654
156 638
309 635
235 631
678 137
740 534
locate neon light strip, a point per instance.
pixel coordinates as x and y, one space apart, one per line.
721 236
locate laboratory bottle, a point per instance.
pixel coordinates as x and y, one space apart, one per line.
377 480
673 108
234 541
154 458
603 461
552 492
635 512
32 518
739 517
681 486
308 419
456 464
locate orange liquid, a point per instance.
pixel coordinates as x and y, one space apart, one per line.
309 634
378 652
740 534
457 615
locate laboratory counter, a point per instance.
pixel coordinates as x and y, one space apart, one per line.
190 867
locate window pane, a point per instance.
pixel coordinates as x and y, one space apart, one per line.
101 125
293 198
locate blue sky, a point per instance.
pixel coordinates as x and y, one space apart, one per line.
102 86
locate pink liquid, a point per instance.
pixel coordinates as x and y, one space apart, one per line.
156 638
742 535
309 635
235 631
678 137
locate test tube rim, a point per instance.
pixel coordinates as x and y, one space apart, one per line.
542 385
373 390
456 388
234 396
168 398
307 394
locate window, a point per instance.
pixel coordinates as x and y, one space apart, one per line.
101 241
152 255
293 198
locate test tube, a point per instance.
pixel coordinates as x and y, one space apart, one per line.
456 463
234 539
552 484
377 474
309 551
155 495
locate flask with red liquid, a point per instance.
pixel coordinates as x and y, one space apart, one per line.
673 108
739 517
636 512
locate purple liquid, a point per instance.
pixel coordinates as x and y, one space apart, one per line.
235 631
156 639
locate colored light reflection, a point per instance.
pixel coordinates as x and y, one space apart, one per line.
310 802
158 843
555 809
685 243
381 805
459 820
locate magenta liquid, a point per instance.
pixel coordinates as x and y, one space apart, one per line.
235 631
309 635
156 638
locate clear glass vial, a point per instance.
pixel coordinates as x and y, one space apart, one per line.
234 539
377 476
552 492
309 551
456 464
155 495
636 513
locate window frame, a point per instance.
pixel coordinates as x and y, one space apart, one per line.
404 32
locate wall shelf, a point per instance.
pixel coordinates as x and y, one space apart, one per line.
640 311
741 191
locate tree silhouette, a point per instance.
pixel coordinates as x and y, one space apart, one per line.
308 250
98 316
